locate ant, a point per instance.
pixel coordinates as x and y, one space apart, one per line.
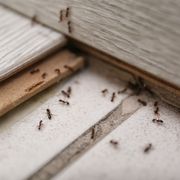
113 96
57 71
44 75
144 103
156 110
148 148
67 12
64 102
158 121
114 143
49 114
69 90
155 103
40 125
65 94
69 27
104 91
61 16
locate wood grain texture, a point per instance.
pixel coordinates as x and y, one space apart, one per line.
25 84
23 42
143 33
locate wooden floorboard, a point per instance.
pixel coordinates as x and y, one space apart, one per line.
32 80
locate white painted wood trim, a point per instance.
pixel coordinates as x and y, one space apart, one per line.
23 42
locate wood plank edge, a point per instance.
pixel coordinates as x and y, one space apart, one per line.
35 59
78 64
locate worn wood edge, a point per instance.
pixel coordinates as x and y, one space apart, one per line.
37 58
168 92
22 77
86 141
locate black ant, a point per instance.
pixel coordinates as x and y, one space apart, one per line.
156 110
144 103
113 96
49 114
114 143
156 103
44 75
61 16
158 121
64 102
104 91
65 94
40 124
67 12
69 27
148 148
69 90
57 71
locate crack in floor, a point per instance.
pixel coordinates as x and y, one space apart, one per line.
87 140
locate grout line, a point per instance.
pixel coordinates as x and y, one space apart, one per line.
84 142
